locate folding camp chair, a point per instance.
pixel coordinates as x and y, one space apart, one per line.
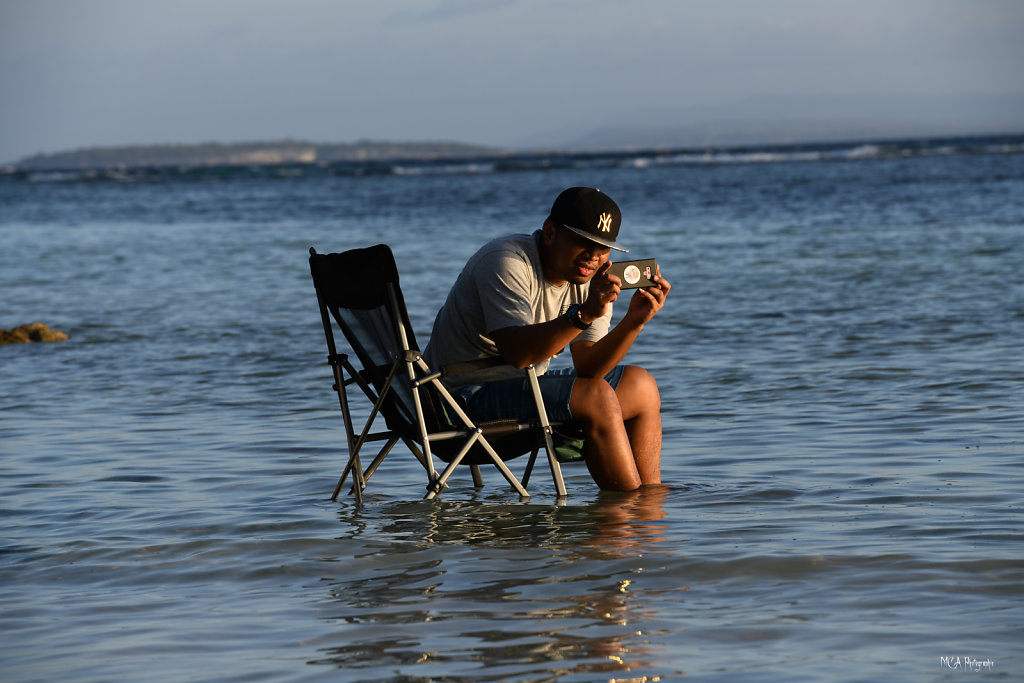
359 289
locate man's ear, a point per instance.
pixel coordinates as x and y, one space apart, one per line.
548 231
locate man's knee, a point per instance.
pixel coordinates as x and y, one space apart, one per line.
593 399
638 390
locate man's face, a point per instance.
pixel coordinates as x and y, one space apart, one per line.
571 257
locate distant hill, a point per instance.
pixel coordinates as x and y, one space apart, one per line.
776 118
248 154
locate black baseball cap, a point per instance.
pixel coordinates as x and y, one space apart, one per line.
590 213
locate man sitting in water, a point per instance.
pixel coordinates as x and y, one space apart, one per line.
524 298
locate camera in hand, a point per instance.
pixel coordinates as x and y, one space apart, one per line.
635 274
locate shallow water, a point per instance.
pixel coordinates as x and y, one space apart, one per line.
841 374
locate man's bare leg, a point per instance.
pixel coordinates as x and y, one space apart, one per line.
608 453
640 404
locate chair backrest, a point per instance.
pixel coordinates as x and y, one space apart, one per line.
361 291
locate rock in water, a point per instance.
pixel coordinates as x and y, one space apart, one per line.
33 332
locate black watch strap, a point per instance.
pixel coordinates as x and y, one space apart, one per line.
573 315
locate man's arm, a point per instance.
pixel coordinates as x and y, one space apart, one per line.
596 359
529 344
524 345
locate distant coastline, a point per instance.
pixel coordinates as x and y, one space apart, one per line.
291 158
248 154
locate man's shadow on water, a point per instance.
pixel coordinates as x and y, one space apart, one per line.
545 587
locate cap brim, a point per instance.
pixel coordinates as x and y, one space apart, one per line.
594 238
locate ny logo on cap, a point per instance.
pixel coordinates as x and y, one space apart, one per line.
604 222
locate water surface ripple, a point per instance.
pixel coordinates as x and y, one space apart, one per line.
842 379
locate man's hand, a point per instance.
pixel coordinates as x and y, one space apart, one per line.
647 301
595 359
604 289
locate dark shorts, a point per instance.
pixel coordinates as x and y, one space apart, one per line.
512 398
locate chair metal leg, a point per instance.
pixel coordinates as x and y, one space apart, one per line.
353 464
341 479
441 482
376 462
529 467
476 437
358 482
556 468
505 471
478 480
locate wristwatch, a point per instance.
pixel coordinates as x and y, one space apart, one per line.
572 314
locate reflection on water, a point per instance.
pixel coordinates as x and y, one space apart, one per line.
612 520
431 568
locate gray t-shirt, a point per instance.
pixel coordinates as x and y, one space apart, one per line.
502 285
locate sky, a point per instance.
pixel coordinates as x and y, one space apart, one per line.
509 73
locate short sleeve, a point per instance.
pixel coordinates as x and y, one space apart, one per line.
507 287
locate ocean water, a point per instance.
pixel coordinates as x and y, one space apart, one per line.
842 374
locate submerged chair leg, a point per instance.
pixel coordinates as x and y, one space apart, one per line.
358 482
341 480
477 437
529 466
441 482
478 480
556 468
373 466
337 363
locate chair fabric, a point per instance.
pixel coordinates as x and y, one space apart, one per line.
359 290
